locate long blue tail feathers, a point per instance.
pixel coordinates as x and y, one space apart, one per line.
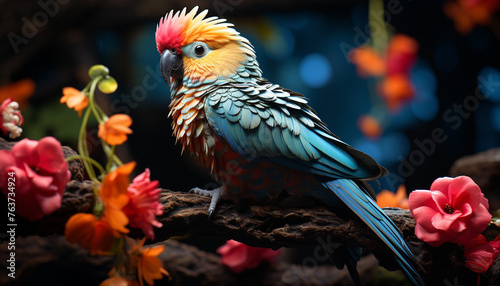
365 207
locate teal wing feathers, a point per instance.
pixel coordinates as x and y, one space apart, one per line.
263 121
356 199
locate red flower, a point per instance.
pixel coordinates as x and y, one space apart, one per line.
396 87
11 118
454 210
238 256
480 254
143 205
41 174
401 54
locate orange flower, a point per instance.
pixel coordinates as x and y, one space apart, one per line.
75 99
114 195
395 90
92 234
369 126
393 67
368 62
389 199
149 266
114 131
20 91
468 13
118 281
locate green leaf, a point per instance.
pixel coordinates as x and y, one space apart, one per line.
108 85
98 70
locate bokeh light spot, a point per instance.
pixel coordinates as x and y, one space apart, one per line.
425 106
369 147
423 77
315 70
393 145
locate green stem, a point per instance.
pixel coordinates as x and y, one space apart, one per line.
86 88
98 113
110 153
120 245
82 146
98 207
378 27
117 160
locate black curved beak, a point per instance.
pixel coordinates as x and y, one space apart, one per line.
171 66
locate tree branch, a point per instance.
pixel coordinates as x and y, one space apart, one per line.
52 256
273 227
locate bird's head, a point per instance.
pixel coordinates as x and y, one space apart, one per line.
196 49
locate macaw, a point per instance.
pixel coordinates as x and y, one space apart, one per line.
258 138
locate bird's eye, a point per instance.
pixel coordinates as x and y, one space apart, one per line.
199 50
173 51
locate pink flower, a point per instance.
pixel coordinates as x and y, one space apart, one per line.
40 173
143 205
238 256
480 254
454 210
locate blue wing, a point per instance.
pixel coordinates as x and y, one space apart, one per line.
262 121
355 197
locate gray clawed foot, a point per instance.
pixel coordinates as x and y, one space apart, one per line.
216 195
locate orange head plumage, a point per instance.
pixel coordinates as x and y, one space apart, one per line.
194 48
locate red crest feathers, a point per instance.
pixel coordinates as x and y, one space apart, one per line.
179 29
170 30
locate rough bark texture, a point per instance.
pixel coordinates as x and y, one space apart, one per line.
264 226
54 259
484 169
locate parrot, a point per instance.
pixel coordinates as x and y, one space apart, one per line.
261 140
